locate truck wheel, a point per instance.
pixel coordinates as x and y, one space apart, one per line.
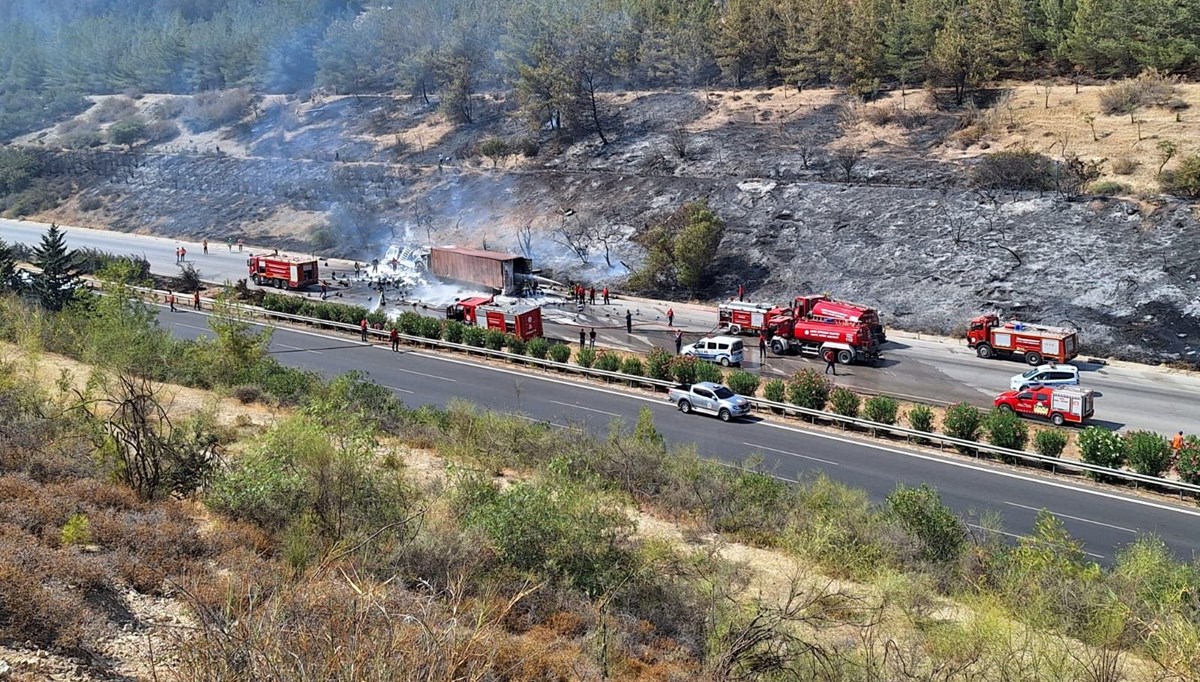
1006 408
1033 358
845 357
734 330
724 415
257 280
1057 419
685 407
778 347
985 351
725 362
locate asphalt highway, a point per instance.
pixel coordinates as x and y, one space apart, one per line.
1104 519
927 370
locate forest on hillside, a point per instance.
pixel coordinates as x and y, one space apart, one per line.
550 50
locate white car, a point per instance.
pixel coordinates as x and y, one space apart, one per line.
1046 375
726 350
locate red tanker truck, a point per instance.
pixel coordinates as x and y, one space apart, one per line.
521 320
848 341
822 307
282 272
1034 343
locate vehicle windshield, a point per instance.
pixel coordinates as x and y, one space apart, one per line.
724 393
1031 372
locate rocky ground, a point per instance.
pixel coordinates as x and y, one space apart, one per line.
905 233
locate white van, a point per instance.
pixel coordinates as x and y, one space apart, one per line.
1046 375
727 350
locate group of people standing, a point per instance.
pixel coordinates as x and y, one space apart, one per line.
587 295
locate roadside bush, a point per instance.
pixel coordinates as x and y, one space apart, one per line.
1108 188
538 348
560 352
921 512
706 371
633 367
1188 461
658 364
775 390
493 339
683 369
1006 430
430 327
963 421
881 409
742 382
515 344
920 418
1149 454
473 336
1101 447
609 362
844 402
410 323
1050 442
807 388
585 357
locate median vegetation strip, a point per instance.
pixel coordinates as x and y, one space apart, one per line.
330 538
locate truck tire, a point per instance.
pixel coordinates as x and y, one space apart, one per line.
984 350
724 362
778 347
1033 358
724 415
734 330
1057 419
845 357
685 407
257 280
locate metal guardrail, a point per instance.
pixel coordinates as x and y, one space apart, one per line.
758 403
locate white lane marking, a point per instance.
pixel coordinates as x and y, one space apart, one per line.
396 388
422 374
1023 537
1073 518
589 409
306 350
791 454
785 427
192 326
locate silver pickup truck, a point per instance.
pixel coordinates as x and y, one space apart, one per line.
710 398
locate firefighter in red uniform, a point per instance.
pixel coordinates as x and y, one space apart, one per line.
363 326
830 362
395 337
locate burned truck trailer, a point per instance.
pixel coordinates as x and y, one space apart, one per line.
504 273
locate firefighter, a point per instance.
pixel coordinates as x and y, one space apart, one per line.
1177 443
741 293
171 300
762 346
324 291
678 341
196 299
182 254
204 243
363 328
241 244
395 337
177 256
628 322
582 338
670 317
830 362
605 295
229 243
592 295
592 337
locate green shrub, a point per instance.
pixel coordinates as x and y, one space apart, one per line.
1188 461
1050 442
1108 188
844 402
410 323
560 352
658 364
775 390
431 327
742 382
1185 180
1101 447
585 357
808 388
609 362
473 336
129 131
920 511
881 409
633 367
454 331
1149 454
539 348
706 371
1006 430
76 531
920 418
515 344
493 339
963 421
684 369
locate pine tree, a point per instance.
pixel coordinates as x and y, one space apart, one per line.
9 281
55 285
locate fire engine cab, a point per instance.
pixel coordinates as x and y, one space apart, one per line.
1070 405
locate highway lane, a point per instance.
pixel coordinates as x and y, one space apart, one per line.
935 371
1103 519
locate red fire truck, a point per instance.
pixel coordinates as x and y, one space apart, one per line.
282 272
1065 405
848 341
521 320
737 317
1034 343
822 307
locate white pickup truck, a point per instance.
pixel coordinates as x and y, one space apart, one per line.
711 398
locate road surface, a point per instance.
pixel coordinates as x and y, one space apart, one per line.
1105 520
927 370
